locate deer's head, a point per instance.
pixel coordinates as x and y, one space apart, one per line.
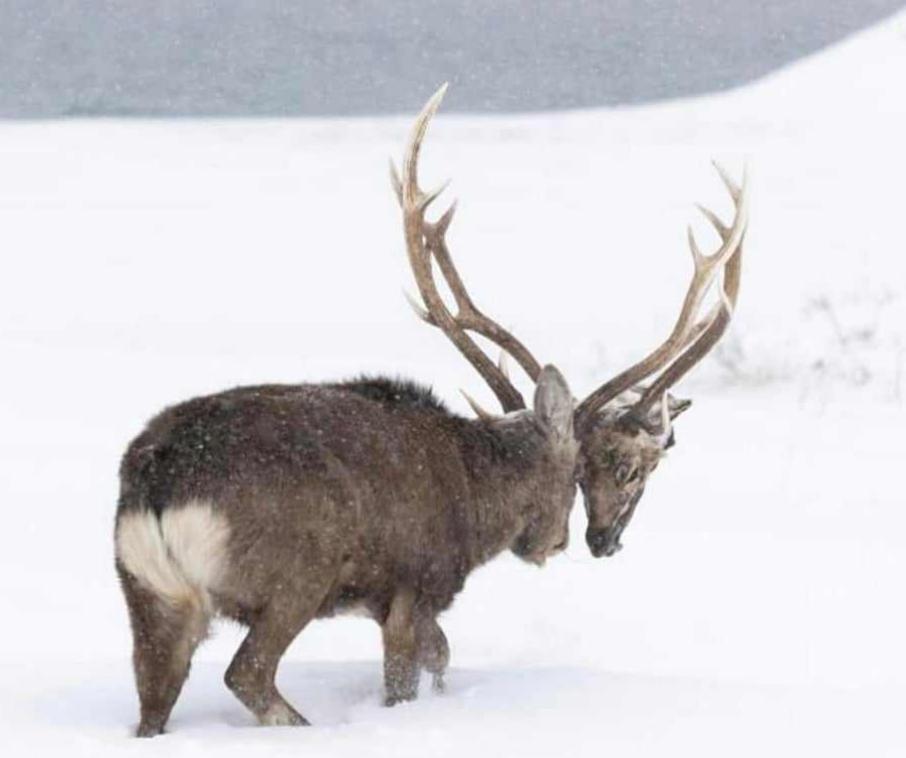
619 450
624 427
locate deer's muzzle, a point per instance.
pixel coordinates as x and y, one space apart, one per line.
604 542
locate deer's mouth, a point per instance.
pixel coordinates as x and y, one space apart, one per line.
604 542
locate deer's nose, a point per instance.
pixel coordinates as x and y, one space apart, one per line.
603 542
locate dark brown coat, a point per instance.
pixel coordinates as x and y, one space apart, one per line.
274 505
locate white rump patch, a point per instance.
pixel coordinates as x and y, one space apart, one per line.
180 556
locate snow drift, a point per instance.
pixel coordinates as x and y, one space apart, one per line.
757 605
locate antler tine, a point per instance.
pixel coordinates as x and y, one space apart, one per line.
424 242
396 183
721 228
712 329
689 340
469 316
418 308
503 364
476 407
736 191
412 195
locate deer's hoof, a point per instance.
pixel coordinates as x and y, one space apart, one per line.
149 729
280 714
396 698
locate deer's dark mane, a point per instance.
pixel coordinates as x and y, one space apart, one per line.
395 392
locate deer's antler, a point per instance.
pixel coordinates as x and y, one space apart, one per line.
426 242
690 340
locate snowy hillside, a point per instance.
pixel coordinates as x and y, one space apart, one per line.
758 605
173 58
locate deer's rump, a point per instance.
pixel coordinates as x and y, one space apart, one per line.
344 490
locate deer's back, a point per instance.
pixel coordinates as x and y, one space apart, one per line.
365 479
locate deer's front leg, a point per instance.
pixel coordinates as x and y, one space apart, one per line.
400 650
433 650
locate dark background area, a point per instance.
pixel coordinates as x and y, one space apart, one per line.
276 57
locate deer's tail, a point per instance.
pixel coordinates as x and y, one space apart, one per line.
179 554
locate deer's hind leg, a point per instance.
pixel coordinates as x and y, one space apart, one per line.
253 670
164 638
433 650
401 665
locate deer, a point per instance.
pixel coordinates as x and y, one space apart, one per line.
274 505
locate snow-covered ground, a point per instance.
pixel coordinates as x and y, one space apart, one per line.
758 605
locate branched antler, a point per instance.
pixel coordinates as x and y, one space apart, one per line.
690 340
693 336
426 242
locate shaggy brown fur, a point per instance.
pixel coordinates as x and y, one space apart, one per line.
368 495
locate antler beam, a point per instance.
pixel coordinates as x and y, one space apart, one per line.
690 340
426 242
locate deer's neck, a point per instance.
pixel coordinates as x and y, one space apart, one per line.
514 474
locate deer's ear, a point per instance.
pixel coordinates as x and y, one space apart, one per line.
554 402
676 405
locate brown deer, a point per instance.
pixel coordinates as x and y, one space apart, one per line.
277 504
